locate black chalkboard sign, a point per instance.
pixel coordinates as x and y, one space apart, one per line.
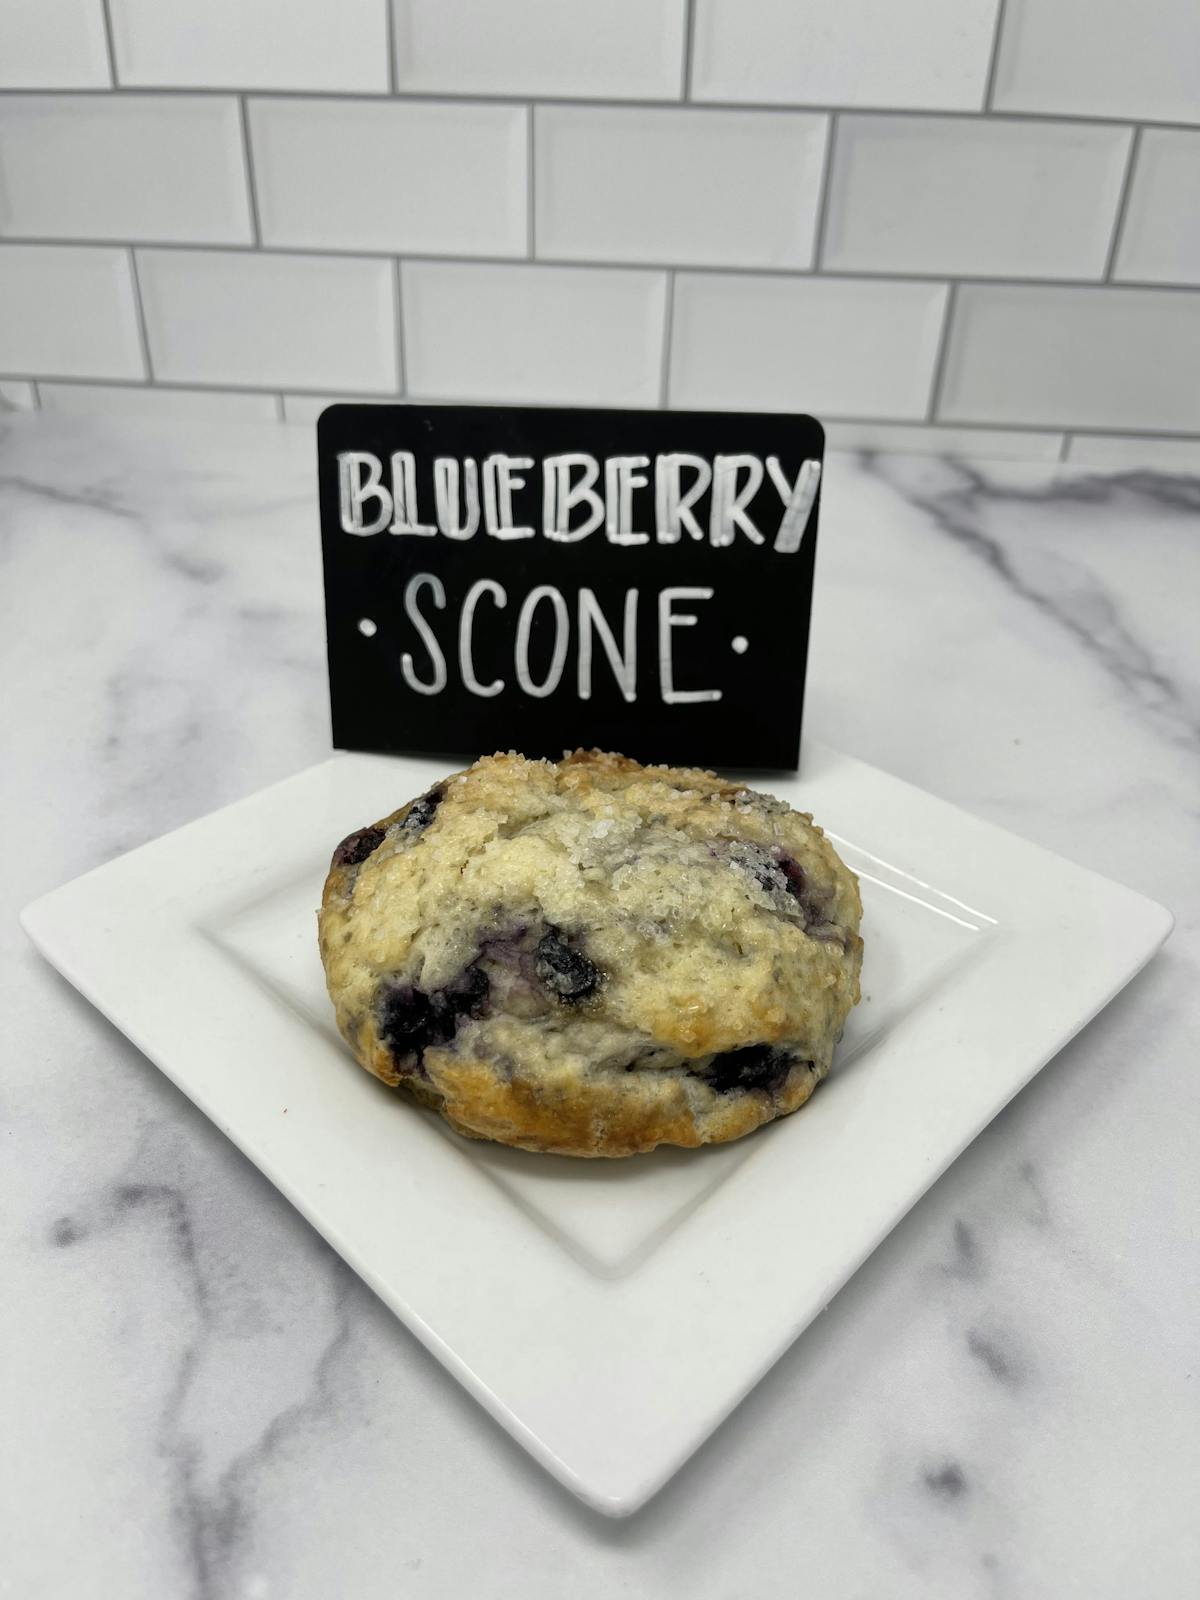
536 579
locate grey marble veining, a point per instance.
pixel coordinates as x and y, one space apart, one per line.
201 1401
1085 610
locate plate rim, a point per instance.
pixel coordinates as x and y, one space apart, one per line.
621 1492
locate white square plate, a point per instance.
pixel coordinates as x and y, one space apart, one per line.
608 1314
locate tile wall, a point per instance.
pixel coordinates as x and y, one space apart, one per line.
964 225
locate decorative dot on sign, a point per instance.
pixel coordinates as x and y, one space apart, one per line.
740 644
367 628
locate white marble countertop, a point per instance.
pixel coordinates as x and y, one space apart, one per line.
201 1401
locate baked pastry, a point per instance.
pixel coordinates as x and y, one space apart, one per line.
591 956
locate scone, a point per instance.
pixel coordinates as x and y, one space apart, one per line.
591 956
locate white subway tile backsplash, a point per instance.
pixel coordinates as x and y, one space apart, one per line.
1161 239
156 167
709 188
846 347
617 49
927 54
120 400
984 443
1108 58
1101 358
306 408
1116 451
570 335
53 44
271 161
270 320
252 44
417 176
69 311
16 396
972 196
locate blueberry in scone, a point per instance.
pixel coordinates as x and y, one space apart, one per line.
591 956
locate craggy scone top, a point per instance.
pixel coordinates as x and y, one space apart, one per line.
592 956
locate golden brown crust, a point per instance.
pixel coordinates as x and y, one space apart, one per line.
607 1121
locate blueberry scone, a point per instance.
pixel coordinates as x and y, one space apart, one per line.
591 956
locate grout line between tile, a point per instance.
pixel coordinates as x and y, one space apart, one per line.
592 263
248 163
279 416
689 51
109 45
140 313
1122 211
530 185
398 302
597 102
190 385
389 28
939 363
664 376
822 218
1065 446
37 394
989 87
